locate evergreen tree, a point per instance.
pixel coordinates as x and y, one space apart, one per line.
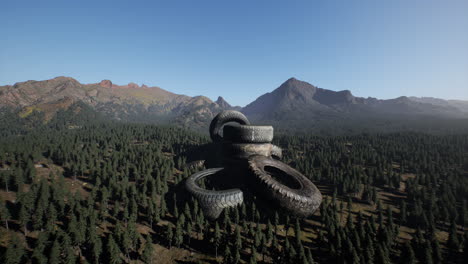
453 241
227 256
253 256
113 251
217 238
54 255
382 255
428 254
96 249
14 252
169 235
297 232
310 259
437 253
148 251
407 255
178 236
38 254
4 214
69 254
237 256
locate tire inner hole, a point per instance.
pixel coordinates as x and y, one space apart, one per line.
214 182
282 177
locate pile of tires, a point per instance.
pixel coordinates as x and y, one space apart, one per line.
243 143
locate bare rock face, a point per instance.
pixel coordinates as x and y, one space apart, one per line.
133 86
93 93
106 84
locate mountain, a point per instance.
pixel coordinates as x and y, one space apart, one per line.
462 106
298 104
294 105
298 97
129 102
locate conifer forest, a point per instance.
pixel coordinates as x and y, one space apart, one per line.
93 191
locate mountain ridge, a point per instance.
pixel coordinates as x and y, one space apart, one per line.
294 103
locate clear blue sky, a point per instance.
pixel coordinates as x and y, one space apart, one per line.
242 49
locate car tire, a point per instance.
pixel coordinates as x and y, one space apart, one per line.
213 202
300 196
225 117
248 134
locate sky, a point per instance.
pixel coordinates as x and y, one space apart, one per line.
242 49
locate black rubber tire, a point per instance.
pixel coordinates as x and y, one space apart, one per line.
213 202
245 150
225 117
301 201
248 134
276 152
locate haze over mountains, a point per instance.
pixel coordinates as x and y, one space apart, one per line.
295 105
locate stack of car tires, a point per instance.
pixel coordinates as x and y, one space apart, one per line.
248 151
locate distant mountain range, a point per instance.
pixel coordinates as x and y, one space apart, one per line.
128 102
294 105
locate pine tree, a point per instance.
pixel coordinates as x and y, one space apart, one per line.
276 222
6 179
238 239
227 256
355 257
407 255
217 238
178 236
54 255
51 218
263 247
297 232
113 251
465 248
169 235
310 259
237 256
148 251
253 256
453 241
428 254
437 253
15 251
382 255
269 234
39 248
4 214
24 215
96 249
69 253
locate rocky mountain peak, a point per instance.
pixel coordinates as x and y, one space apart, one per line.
222 103
106 84
297 83
295 86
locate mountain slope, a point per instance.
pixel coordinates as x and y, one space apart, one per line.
299 104
294 105
127 102
462 106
